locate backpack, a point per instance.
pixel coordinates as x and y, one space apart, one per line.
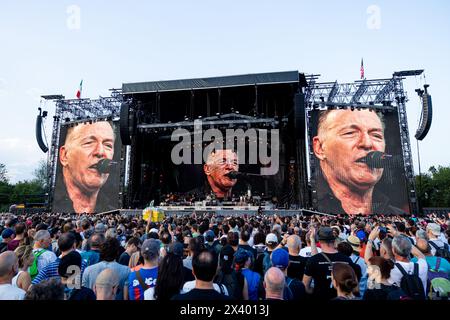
438 286
411 284
266 262
3 247
441 252
34 266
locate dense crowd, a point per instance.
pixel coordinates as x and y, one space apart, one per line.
53 256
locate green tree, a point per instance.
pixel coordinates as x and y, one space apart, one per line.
6 190
27 191
433 188
40 174
3 173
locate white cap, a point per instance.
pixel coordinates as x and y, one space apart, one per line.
434 228
271 237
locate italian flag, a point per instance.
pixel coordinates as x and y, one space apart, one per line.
79 89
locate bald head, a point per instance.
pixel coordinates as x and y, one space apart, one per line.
423 246
107 278
274 283
293 243
8 265
106 284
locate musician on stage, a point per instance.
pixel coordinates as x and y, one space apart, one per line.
216 168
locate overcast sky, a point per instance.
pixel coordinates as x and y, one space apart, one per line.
47 47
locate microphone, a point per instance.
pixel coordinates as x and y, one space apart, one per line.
236 174
233 174
378 159
104 165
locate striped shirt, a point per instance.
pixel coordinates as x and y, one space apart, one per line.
51 271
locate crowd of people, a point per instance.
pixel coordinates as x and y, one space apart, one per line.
51 256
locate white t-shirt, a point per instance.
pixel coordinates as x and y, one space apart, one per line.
9 292
306 252
438 242
188 286
396 275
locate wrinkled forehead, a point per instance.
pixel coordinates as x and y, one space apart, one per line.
336 119
102 130
217 155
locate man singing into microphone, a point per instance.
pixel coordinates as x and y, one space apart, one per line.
346 185
216 168
85 145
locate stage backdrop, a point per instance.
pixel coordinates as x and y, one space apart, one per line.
343 134
81 146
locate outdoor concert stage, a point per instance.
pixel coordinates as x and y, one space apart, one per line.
156 158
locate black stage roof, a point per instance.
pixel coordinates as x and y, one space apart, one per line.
216 82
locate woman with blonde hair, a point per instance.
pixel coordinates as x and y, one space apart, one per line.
25 257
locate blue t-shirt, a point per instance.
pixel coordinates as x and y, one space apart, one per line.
149 276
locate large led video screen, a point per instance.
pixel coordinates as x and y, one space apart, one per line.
233 166
357 165
88 169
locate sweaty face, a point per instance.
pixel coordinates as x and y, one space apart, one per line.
344 137
84 147
219 164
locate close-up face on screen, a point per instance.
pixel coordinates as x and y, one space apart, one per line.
88 168
347 178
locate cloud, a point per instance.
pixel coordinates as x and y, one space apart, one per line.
20 156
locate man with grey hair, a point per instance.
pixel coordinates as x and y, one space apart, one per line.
274 283
437 240
42 241
8 269
106 285
346 185
402 248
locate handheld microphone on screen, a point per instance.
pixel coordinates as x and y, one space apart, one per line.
105 165
235 174
378 159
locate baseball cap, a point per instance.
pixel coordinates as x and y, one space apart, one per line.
7 233
176 248
241 255
434 228
280 258
326 234
150 248
73 258
271 238
361 235
209 235
153 230
354 242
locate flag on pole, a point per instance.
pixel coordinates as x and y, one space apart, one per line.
362 69
79 90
